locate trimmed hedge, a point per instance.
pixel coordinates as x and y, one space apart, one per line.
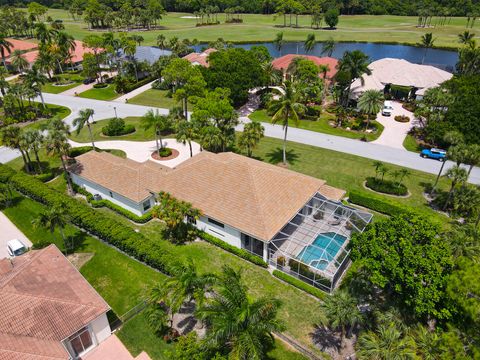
131 87
386 186
104 227
299 284
244 254
381 206
100 86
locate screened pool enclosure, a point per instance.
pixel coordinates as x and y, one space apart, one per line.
313 245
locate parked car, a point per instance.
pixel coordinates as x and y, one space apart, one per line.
387 108
433 153
16 248
88 81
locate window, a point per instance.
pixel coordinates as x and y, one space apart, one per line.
191 220
81 341
215 222
111 195
146 205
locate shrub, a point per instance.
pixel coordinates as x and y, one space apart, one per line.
117 127
130 86
299 284
244 254
164 152
381 206
386 186
100 86
108 229
160 85
74 152
402 118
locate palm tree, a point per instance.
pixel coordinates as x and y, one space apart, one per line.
51 219
57 145
11 137
403 174
355 64
35 139
42 33
464 240
427 41
472 157
186 132
341 312
377 165
466 37
370 103
251 135
286 108
211 138
238 322
153 120
130 48
457 175
387 343
328 47
161 41
83 118
383 170
279 42
309 43
18 62
35 80
5 47
273 75
3 82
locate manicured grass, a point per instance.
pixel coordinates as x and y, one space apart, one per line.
57 89
139 134
153 97
411 144
107 93
119 279
321 125
257 27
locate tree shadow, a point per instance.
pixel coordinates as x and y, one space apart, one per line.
76 241
326 339
275 156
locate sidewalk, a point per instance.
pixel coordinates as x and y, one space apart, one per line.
78 89
134 93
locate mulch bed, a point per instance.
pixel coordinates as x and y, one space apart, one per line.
174 154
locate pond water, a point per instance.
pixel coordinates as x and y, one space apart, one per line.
444 59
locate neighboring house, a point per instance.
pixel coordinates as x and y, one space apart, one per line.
252 205
200 58
150 54
21 45
282 63
48 310
400 78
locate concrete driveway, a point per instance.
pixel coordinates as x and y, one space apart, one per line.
10 232
395 132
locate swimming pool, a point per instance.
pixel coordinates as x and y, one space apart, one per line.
314 254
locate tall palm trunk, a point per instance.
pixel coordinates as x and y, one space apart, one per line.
91 135
438 178
37 158
41 98
64 239
285 144
69 181
449 195
190 145
25 162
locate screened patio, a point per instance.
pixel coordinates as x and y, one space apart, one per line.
313 245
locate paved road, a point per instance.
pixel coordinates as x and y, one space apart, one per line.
105 109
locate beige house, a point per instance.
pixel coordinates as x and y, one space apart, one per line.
244 202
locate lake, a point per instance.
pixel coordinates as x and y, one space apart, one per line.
444 59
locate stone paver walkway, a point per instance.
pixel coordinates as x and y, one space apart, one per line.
134 93
141 151
394 132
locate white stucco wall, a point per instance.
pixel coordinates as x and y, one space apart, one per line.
136 208
228 234
101 328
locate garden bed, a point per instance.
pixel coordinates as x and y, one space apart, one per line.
169 155
386 187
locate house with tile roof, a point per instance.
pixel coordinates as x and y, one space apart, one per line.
245 202
282 63
49 311
201 58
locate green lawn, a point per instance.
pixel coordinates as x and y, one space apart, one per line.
153 97
257 27
321 125
107 93
57 89
139 134
411 144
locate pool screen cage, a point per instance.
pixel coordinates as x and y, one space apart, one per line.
313 245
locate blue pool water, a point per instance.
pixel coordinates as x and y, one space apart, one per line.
315 255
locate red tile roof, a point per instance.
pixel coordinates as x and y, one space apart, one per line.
80 50
283 62
43 300
20 45
200 58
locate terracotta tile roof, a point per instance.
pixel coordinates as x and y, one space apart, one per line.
43 300
80 50
30 56
200 58
283 62
250 195
20 45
